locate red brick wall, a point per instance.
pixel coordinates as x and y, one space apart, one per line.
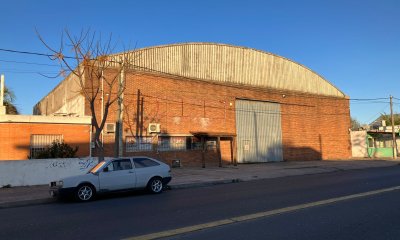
313 127
15 138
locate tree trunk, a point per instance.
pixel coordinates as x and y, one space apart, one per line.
99 145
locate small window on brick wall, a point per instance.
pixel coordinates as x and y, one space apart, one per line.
138 144
40 142
168 143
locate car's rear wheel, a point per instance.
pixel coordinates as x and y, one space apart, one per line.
155 185
85 192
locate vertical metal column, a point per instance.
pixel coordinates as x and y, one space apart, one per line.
219 151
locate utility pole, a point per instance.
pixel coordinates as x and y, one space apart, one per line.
393 133
119 147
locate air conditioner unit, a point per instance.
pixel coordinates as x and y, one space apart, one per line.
110 127
154 128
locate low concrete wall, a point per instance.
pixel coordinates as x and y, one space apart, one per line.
42 171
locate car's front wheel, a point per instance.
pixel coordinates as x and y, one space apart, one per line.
155 185
84 193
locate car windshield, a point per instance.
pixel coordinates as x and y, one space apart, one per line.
97 167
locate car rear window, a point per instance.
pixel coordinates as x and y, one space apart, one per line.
144 162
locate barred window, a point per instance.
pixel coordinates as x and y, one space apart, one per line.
40 142
196 143
171 143
138 144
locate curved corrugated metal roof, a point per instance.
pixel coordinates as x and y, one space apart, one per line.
232 64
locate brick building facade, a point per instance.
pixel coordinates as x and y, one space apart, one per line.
22 135
272 108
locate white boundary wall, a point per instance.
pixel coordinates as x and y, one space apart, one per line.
359 143
42 171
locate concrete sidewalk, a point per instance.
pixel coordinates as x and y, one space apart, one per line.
196 177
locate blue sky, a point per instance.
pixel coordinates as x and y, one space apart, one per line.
353 44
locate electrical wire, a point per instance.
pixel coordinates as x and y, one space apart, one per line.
368 99
169 74
372 102
29 63
164 100
377 114
28 72
26 52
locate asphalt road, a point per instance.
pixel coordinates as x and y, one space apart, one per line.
376 217
137 214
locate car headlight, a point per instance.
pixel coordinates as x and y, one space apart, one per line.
60 183
56 184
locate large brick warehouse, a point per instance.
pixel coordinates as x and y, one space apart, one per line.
216 104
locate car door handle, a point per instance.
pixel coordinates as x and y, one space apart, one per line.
131 172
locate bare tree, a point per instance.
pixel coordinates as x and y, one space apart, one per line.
354 124
90 59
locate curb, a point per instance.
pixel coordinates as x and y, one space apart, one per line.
204 184
25 203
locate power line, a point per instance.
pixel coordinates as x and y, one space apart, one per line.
26 52
367 99
30 63
372 102
27 72
200 105
153 70
377 114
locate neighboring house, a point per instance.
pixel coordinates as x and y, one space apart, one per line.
21 136
380 143
248 104
381 125
373 144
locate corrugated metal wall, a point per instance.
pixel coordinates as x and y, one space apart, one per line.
210 62
66 98
259 134
231 64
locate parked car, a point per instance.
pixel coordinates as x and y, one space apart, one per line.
118 174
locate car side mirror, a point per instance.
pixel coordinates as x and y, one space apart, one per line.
105 169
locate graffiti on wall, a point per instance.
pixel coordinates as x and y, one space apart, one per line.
57 164
85 164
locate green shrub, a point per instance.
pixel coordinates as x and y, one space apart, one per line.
57 150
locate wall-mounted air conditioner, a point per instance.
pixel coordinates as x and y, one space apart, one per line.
110 127
154 128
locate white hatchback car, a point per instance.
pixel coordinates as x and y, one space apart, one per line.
118 174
